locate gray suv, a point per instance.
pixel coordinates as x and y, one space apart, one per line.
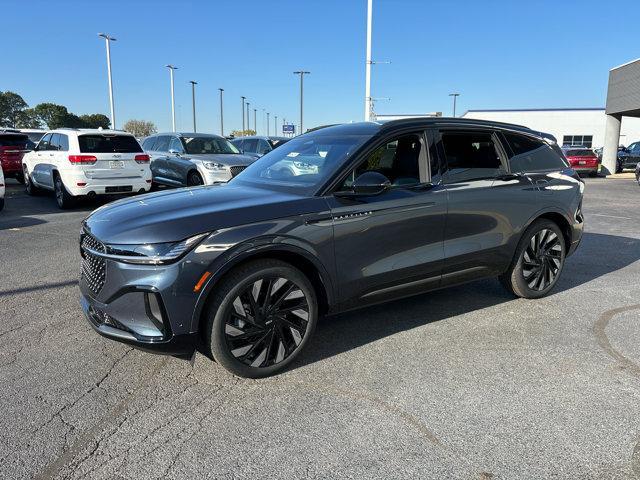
257 146
188 159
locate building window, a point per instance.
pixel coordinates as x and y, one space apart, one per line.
583 140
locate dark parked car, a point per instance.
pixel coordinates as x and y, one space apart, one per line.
582 159
257 146
629 157
13 146
188 159
387 211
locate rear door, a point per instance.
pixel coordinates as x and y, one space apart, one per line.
114 153
483 200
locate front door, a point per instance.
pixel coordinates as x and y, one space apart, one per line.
390 244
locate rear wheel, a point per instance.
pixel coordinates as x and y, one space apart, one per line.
20 178
63 198
260 318
194 179
538 261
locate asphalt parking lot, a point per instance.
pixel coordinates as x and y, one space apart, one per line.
461 383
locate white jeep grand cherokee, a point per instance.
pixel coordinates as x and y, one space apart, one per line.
86 162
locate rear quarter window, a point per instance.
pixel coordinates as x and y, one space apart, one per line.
108 144
531 155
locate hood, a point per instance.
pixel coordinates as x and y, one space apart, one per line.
231 159
174 215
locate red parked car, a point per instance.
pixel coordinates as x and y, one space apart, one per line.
13 146
582 159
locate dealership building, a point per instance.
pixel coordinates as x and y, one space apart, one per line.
570 126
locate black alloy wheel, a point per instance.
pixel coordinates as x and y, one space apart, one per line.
194 179
63 198
538 261
264 315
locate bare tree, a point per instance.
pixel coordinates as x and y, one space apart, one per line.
140 128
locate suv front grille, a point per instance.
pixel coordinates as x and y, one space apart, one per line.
236 170
93 267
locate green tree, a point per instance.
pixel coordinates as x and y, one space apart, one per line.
28 118
11 106
95 120
52 115
140 128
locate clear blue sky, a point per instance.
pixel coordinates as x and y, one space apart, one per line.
498 54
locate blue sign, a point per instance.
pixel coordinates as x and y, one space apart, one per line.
288 128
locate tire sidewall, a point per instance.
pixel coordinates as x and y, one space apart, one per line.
517 276
219 308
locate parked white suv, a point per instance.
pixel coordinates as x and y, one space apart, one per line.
86 162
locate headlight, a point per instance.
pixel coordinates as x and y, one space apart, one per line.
151 253
213 166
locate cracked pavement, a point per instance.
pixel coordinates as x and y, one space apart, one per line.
461 383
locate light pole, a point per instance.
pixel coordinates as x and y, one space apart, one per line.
275 124
263 118
455 96
108 40
302 73
248 121
367 87
255 123
173 101
222 114
243 99
193 102
267 124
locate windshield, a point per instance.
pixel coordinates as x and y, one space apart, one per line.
302 164
208 145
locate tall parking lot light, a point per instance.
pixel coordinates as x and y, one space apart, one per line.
173 99
267 124
243 99
455 96
275 124
193 102
367 85
302 73
255 123
248 121
221 114
108 39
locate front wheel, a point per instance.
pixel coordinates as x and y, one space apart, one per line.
194 179
538 261
260 318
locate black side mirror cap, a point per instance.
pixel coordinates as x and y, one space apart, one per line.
366 185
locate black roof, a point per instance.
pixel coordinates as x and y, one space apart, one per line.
371 128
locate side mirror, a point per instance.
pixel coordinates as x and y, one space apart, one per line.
368 184
174 152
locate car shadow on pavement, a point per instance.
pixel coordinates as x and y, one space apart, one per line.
598 255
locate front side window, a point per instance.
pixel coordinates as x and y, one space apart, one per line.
470 156
101 143
44 142
176 145
162 143
208 145
399 160
263 147
303 164
250 145
531 155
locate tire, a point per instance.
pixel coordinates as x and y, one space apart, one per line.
29 187
593 174
538 261
63 198
20 178
1 204
194 179
236 309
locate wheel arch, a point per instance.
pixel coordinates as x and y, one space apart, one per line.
557 217
294 255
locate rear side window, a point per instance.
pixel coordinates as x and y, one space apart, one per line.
470 156
63 143
108 144
149 143
263 147
250 145
55 139
532 155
